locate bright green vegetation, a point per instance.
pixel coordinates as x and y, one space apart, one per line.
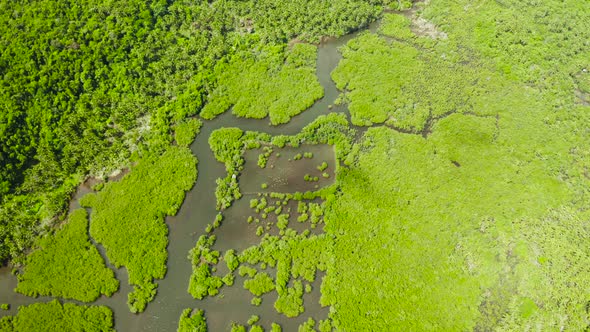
53 316
294 256
227 145
405 87
67 265
323 166
308 326
543 44
290 300
465 207
137 237
231 259
462 234
262 283
245 270
4 306
192 321
186 131
310 178
263 157
271 81
283 221
325 326
483 208
237 328
202 282
253 327
253 319
396 26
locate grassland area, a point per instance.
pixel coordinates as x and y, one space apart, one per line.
458 187
53 316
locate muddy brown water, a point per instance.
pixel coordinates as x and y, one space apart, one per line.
284 173
233 303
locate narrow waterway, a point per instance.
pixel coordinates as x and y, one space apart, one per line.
198 209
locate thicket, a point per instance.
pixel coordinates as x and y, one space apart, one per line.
82 90
202 283
53 316
186 131
253 319
462 148
404 233
137 237
296 256
396 26
543 45
332 129
260 284
192 321
268 81
67 265
263 157
231 259
307 326
485 209
290 300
